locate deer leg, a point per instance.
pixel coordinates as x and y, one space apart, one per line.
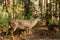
15 29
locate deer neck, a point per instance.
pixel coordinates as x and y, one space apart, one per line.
33 23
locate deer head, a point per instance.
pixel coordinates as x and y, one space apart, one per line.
36 17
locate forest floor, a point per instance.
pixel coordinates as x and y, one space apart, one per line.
31 35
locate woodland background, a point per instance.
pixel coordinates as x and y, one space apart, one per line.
47 10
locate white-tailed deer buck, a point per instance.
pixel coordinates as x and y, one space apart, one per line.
23 24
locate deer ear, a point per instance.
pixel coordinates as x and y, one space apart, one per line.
36 16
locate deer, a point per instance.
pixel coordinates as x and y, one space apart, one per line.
23 24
